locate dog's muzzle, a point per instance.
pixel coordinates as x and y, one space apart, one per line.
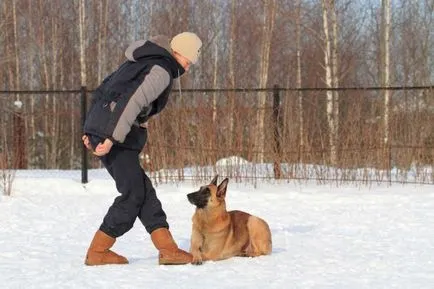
199 199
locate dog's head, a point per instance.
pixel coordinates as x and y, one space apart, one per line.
209 196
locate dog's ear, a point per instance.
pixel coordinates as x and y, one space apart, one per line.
214 181
221 189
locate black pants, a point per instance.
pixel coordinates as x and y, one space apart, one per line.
138 198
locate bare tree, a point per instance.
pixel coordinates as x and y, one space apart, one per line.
329 61
102 36
7 174
7 171
231 64
19 147
82 37
214 98
386 66
299 80
31 53
16 48
267 32
335 69
3 24
324 43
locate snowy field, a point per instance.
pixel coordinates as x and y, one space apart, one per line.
323 236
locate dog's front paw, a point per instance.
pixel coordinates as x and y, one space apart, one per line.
197 260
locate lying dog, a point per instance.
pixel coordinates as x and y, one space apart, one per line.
218 234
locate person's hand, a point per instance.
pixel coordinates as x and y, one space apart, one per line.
144 124
86 142
103 148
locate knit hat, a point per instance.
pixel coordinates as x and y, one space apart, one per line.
188 45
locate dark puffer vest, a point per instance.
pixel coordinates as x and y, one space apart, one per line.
137 90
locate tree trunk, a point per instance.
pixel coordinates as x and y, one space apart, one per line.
215 78
16 49
73 108
212 139
45 82
231 100
386 67
99 43
54 129
298 82
82 17
267 32
329 83
20 147
335 74
104 41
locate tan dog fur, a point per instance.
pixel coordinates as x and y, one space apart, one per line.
218 234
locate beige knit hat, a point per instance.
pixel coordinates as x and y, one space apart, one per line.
188 45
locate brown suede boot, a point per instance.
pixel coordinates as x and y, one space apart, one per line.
169 254
99 253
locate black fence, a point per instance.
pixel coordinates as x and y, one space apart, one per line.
288 130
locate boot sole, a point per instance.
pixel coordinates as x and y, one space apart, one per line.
87 263
172 263
100 264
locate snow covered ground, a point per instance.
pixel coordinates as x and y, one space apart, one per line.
323 236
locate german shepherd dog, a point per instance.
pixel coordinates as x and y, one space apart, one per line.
218 234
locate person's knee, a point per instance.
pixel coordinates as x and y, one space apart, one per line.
137 200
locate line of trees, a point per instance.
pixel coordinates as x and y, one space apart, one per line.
64 44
